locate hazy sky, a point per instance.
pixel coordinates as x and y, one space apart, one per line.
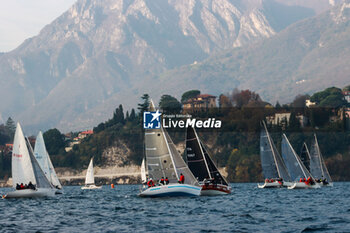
21 19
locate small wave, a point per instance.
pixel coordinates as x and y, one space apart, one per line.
316 228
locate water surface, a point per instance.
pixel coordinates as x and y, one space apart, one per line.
247 209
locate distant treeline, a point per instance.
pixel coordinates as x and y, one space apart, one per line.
234 146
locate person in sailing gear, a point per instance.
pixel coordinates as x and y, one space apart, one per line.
324 181
162 182
182 179
21 186
31 186
166 181
280 181
150 183
18 187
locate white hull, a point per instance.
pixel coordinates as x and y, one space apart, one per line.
326 185
171 190
28 193
274 184
91 187
302 185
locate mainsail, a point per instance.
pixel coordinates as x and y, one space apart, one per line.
22 169
317 165
89 179
44 160
272 163
198 159
305 156
295 167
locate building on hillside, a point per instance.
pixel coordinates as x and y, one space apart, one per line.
282 119
203 101
84 134
347 96
308 103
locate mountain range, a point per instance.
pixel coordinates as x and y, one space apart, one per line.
99 54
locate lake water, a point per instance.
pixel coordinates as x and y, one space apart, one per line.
248 209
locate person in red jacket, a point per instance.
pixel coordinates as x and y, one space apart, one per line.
182 179
166 181
162 182
150 183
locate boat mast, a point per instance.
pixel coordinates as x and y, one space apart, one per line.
273 152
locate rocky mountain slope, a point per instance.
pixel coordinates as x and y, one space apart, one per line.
304 58
98 54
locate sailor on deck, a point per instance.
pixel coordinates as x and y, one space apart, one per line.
150 183
182 179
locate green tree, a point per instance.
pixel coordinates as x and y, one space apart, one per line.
330 97
142 107
132 115
169 104
54 141
189 95
10 127
118 116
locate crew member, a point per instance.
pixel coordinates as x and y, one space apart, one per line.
166 181
150 183
182 179
162 182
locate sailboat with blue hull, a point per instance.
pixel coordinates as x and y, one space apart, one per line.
164 161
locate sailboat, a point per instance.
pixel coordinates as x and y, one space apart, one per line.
26 170
43 158
274 169
90 179
297 170
318 167
163 160
203 167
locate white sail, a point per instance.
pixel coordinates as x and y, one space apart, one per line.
43 158
317 165
143 171
54 179
22 169
40 177
41 155
89 180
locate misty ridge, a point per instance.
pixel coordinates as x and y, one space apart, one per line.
98 54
